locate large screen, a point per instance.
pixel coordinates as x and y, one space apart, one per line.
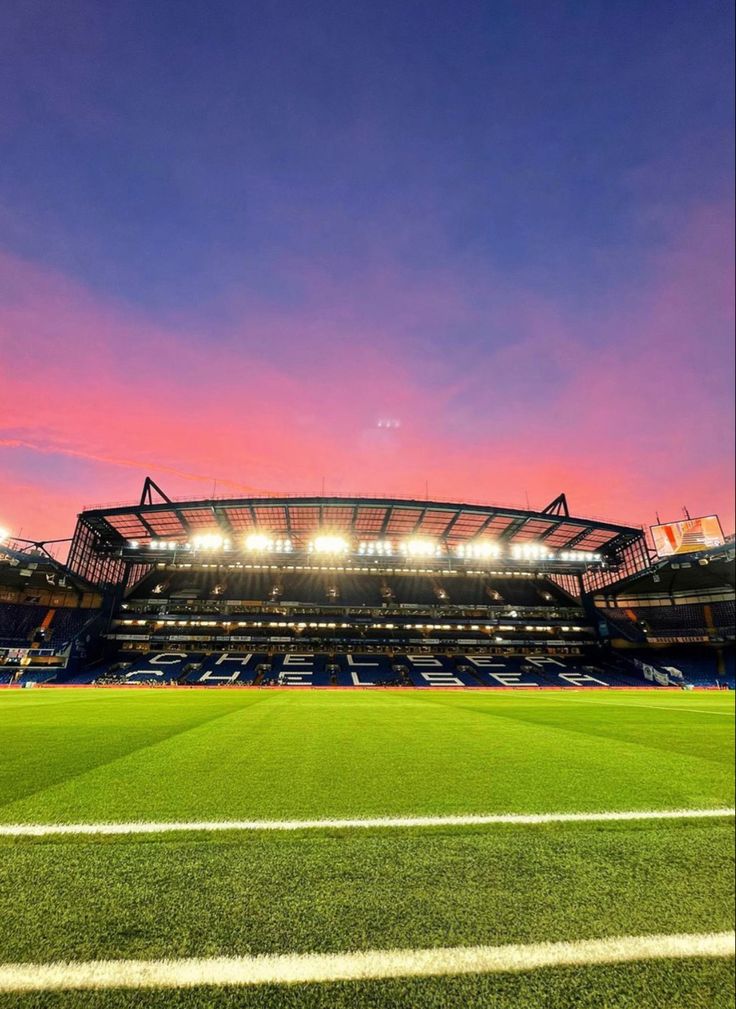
688 536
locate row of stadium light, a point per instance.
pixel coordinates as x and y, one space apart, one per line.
290 624
328 544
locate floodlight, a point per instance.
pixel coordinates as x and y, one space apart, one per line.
420 548
530 552
4 534
376 548
209 541
327 544
258 541
162 545
479 550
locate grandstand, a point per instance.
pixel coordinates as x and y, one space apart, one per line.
48 615
330 592
678 615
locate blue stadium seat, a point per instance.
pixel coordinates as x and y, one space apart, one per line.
300 669
227 668
434 671
159 667
366 669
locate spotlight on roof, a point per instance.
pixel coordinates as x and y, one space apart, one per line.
258 542
479 550
327 544
531 552
376 548
418 547
210 541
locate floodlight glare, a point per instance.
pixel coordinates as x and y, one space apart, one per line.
329 545
379 548
420 548
209 541
479 550
530 552
4 534
258 541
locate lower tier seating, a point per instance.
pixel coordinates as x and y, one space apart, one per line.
422 670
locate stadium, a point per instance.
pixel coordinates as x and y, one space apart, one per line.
364 592
334 751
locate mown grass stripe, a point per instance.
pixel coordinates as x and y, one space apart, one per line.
461 820
368 965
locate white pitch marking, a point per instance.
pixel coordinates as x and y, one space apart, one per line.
374 964
462 820
659 707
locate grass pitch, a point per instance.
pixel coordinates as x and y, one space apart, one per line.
170 755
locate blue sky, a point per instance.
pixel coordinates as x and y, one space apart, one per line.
447 182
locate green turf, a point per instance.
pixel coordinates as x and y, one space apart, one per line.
691 984
228 894
82 755
156 754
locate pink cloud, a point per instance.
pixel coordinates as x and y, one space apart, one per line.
628 408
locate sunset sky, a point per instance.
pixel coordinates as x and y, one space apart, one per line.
480 250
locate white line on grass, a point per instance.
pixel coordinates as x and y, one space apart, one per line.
368 965
659 707
466 820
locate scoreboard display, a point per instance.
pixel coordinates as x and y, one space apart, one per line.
687 536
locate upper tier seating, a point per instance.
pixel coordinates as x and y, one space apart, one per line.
18 621
67 622
724 617
189 591
680 618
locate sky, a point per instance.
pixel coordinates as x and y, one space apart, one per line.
476 251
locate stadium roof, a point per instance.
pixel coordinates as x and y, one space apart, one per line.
157 517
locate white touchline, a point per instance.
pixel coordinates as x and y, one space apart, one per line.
461 820
659 707
357 966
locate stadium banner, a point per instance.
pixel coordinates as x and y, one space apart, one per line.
688 536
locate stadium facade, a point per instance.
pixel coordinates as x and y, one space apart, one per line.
338 591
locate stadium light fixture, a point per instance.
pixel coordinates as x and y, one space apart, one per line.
258 542
4 535
328 544
210 541
418 547
581 556
531 552
376 548
479 550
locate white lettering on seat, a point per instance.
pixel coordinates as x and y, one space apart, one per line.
511 680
